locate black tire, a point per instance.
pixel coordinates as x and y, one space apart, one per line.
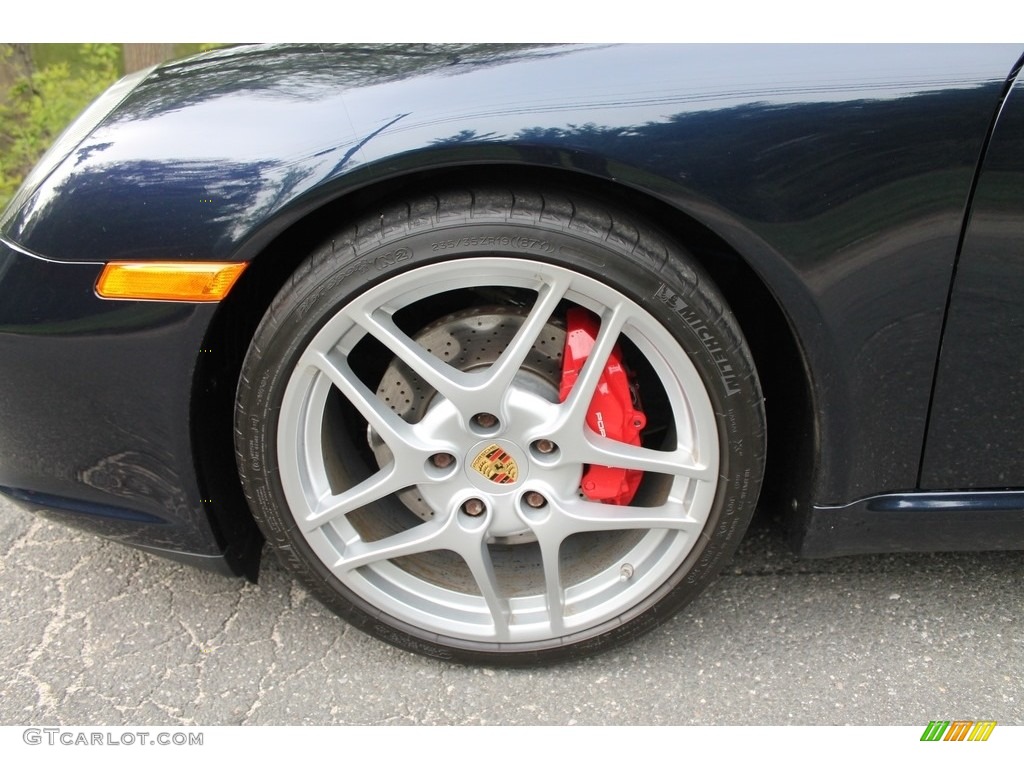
325 407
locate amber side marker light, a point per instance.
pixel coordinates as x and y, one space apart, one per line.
168 280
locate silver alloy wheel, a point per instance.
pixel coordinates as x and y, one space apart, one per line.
583 564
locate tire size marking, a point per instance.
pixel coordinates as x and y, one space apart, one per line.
692 318
525 243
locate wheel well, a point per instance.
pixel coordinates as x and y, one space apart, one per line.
776 353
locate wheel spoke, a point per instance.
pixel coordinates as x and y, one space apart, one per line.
613 453
424 537
450 382
382 419
478 558
577 403
554 593
499 376
380 484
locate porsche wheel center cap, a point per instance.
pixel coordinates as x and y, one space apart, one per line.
497 464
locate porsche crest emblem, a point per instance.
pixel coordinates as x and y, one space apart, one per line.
494 463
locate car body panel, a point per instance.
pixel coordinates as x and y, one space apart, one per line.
95 405
974 437
840 174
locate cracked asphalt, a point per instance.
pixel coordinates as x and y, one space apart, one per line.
96 633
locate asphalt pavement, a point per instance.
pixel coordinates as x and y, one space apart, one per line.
92 632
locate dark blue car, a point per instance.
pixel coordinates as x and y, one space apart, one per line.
497 347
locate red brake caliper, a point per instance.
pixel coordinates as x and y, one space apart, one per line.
611 414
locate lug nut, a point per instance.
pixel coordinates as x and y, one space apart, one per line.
473 507
485 420
544 446
442 460
534 499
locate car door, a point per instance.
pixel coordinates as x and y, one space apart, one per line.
975 436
